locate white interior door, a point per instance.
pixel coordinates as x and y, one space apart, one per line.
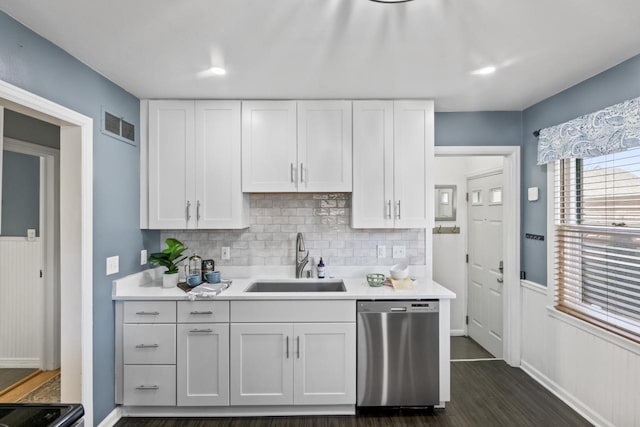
485 262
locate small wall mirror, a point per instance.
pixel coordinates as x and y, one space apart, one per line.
445 202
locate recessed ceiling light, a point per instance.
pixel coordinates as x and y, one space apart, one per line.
484 71
217 71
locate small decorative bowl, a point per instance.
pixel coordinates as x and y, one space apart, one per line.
194 280
212 276
399 271
375 279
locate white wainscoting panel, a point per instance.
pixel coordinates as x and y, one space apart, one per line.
596 374
21 311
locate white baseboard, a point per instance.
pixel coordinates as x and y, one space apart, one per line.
111 419
582 409
457 333
20 363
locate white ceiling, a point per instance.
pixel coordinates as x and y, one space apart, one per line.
343 48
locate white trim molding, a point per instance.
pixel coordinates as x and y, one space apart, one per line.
76 239
112 419
533 286
562 394
511 239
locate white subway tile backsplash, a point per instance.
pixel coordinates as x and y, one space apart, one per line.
324 220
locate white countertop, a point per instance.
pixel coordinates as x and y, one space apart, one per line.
147 285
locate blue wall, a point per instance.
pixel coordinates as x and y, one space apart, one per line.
615 85
20 194
34 64
478 128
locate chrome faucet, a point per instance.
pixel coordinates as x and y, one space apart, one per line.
302 255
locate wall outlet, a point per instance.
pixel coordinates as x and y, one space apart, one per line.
226 252
382 251
113 265
31 234
143 257
399 252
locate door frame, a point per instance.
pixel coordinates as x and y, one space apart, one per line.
511 239
49 233
76 239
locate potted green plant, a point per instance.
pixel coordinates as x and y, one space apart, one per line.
169 258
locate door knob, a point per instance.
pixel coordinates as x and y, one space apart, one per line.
500 280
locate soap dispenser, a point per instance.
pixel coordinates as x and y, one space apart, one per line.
321 269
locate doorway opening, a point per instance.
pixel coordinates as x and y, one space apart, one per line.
29 264
478 255
76 234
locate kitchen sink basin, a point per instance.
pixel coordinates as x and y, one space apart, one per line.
297 286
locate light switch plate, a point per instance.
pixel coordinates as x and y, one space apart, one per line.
226 252
532 194
382 251
399 252
113 265
143 257
31 234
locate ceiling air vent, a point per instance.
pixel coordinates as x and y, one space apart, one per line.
118 127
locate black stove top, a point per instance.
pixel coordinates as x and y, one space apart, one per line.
39 415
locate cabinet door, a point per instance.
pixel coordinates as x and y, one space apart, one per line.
261 364
413 161
203 364
219 200
325 363
324 146
269 146
372 198
171 144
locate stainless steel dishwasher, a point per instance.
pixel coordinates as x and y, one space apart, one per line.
398 353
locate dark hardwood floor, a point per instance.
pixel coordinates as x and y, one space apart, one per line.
466 348
484 393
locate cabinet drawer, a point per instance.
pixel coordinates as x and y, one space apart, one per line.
149 385
149 312
203 311
149 344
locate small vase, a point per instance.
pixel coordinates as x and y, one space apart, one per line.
170 280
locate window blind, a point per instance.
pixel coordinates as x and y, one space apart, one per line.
597 222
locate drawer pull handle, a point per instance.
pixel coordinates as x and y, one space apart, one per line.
147 387
201 312
147 313
147 346
201 330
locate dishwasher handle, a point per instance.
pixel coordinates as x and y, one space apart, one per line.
398 309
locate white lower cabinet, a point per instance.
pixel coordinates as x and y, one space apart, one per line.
203 364
293 363
149 385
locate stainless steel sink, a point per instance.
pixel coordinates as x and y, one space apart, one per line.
297 286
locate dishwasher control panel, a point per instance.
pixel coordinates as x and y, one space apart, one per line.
401 306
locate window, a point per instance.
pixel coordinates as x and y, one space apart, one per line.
597 221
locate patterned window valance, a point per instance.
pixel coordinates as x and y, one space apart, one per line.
614 129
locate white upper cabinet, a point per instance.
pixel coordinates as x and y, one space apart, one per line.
194 179
290 146
219 199
171 145
269 155
392 167
324 146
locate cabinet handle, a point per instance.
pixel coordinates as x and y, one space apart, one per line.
147 346
201 312
188 210
301 172
208 330
398 213
388 214
287 347
147 313
198 210
292 180
298 346
147 387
